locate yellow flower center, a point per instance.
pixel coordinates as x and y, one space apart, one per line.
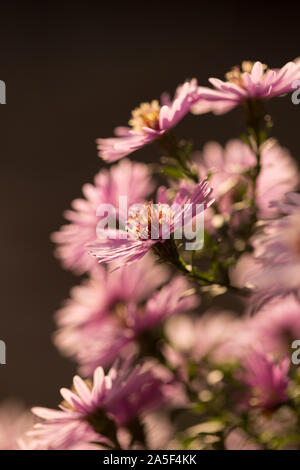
67 405
147 115
235 75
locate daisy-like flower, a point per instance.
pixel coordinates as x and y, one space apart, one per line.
94 413
149 224
248 82
149 122
277 252
124 179
268 380
109 314
228 169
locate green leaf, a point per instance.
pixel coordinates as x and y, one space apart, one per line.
245 138
174 173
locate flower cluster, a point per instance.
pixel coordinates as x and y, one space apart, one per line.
181 348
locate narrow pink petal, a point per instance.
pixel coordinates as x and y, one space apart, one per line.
257 72
47 413
82 389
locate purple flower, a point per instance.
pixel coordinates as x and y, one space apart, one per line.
277 325
200 337
125 179
251 81
228 167
149 122
132 244
95 412
277 252
108 314
268 380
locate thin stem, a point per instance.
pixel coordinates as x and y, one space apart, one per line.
168 252
170 147
257 122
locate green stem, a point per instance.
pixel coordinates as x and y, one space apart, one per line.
170 147
257 122
168 252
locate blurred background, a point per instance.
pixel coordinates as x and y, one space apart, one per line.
73 71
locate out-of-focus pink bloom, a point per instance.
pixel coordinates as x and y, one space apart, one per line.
227 168
245 267
15 421
149 122
239 440
93 413
279 175
159 429
277 250
278 325
268 380
108 314
129 245
251 81
218 335
125 179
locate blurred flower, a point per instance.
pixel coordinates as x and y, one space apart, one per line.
277 249
228 169
268 380
149 122
239 440
219 335
125 179
94 412
15 421
108 314
279 175
279 428
159 429
251 81
133 244
244 268
278 325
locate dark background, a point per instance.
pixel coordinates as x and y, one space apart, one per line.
73 72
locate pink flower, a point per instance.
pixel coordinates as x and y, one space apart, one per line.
268 380
108 315
237 439
125 179
130 245
228 169
218 336
279 175
15 421
277 252
278 325
95 412
251 81
203 336
149 122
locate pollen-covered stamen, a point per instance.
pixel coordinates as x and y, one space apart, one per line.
150 221
235 75
147 115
